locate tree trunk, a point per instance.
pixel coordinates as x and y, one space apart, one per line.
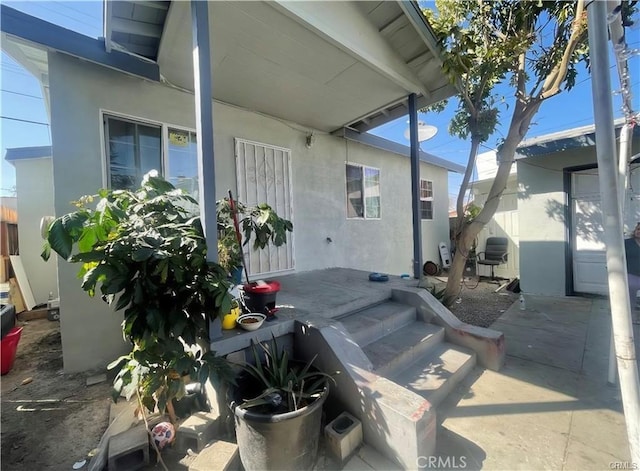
464 186
520 122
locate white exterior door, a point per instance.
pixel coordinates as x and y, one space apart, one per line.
589 258
264 176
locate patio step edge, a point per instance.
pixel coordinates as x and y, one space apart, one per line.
375 322
394 352
435 374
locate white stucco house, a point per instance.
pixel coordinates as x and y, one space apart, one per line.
551 212
34 190
295 87
562 251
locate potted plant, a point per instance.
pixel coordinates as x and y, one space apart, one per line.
277 406
145 253
259 223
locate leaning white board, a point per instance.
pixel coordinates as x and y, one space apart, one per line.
23 282
444 255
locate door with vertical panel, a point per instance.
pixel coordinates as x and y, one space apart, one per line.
264 176
589 257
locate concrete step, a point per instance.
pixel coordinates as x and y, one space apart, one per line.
394 352
375 322
436 374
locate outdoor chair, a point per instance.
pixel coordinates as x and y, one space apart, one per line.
495 253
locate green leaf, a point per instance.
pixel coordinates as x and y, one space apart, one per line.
141 254
46 251
59 239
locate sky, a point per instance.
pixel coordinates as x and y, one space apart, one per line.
24 118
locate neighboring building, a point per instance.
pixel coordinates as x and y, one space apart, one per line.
295 85
562 251
34 186
550 211
505 221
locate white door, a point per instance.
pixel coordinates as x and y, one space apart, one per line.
264 176
589 258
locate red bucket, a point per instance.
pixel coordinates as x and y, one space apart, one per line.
8 347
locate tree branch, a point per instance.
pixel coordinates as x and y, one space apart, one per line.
521 87
557 75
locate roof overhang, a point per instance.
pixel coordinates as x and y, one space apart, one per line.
584 136
26 153
325 65
20 28
397 148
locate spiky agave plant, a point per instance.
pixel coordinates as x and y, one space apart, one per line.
286 385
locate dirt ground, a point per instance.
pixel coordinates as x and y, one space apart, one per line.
481 305
55 420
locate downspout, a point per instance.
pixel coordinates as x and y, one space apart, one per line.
613 236
415 187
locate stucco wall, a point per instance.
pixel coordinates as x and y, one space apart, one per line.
504 223
79 91
544 234
34 184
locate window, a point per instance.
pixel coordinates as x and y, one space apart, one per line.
426 199
182 161
133 149
363 192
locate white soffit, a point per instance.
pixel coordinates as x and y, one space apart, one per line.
321 64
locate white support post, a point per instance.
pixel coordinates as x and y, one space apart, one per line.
613 229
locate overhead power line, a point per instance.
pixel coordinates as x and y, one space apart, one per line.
21 94
24 120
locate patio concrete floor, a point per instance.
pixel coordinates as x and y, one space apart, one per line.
550 407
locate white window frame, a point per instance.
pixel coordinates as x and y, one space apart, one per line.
164 140
426 198
364 205
107 154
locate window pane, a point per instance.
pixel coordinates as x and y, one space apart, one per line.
134 149
355 207
182 161
426 189
122 157
150 149
372 192
426 209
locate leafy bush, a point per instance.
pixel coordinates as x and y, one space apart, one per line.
145 253
260 222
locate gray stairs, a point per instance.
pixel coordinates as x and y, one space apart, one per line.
408 351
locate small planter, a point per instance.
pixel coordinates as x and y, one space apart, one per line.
285 441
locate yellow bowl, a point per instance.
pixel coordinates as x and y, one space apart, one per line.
229 320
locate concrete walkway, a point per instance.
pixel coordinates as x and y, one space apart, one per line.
550 407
